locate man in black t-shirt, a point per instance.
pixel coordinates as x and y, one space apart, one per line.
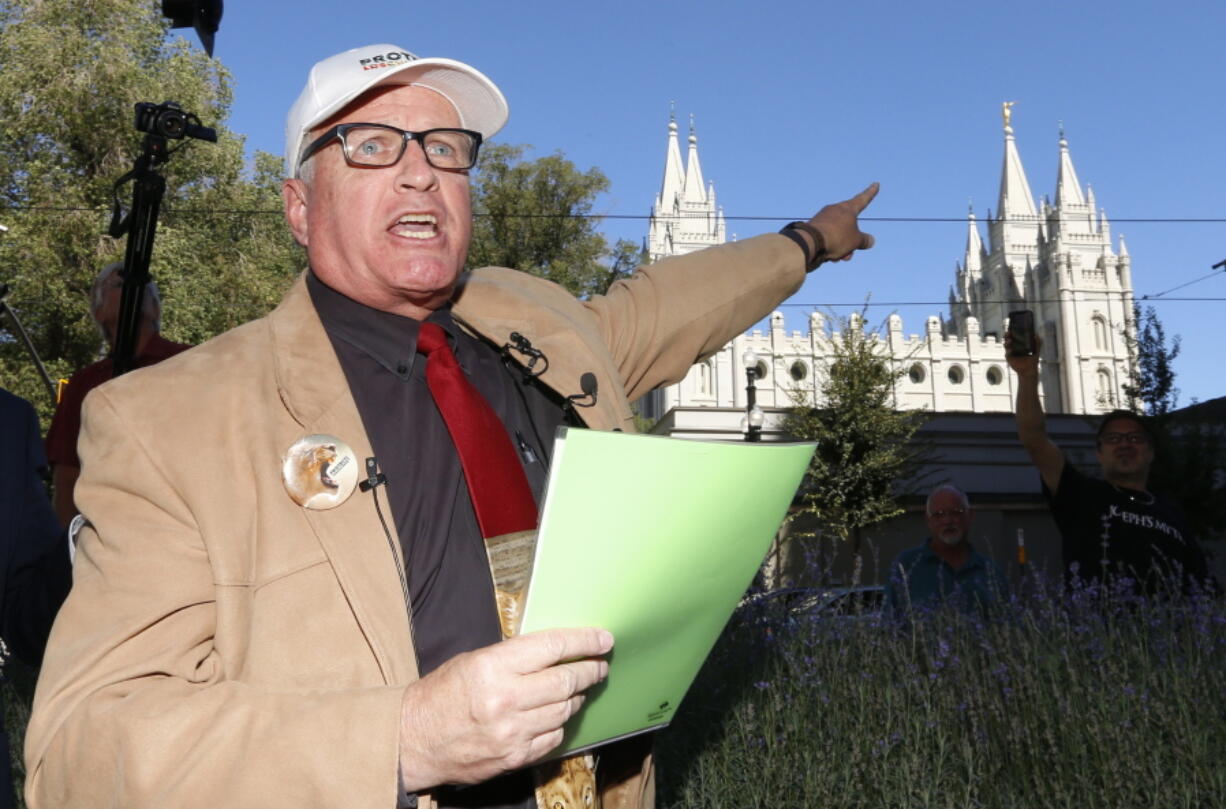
1114 526
1126 531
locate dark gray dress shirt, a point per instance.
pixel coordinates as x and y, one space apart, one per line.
449 582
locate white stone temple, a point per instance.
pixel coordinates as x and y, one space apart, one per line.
1056 259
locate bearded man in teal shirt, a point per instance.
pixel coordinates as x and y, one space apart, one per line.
944 568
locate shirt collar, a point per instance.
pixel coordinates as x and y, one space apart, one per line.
927 554
389 339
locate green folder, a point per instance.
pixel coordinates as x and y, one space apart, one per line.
654 539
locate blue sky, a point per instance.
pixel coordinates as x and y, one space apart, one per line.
801 103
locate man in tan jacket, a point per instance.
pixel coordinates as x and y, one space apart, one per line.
236 639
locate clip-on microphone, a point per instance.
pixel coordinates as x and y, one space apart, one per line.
374 478
524 346
587 384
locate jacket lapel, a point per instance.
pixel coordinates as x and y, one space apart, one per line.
495 309
313 389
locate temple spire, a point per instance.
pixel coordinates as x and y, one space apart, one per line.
674 174
695 189
1068 188
974 246
684 217
1015 197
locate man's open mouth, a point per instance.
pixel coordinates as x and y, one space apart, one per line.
416 226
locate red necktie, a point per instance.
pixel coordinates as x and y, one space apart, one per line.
504 504
497 484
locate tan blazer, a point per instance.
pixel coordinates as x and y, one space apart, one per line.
223 647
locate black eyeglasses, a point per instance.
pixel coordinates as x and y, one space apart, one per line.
380 145
1119 438
947 512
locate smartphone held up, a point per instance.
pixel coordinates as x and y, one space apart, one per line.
1021 333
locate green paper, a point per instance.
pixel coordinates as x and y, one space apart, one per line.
654 539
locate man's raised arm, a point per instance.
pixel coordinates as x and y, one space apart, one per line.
666 316
840 231
1031 424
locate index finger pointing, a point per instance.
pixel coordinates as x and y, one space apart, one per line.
860 201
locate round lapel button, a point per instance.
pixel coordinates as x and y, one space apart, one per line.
319 471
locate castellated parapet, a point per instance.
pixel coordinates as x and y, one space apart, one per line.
1056 259
938 372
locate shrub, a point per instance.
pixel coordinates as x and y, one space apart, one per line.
1088 698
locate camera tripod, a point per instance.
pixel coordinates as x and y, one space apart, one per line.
161 123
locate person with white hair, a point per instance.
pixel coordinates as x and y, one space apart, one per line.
944 568
151 347
256 622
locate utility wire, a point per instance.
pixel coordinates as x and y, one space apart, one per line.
1181 286
646 217
681 217
872 303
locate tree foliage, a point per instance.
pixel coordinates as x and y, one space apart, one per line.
73 70
1190 465
863 453
1151 387
1190 453
536 216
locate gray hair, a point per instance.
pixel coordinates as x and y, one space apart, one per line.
966 503
151 304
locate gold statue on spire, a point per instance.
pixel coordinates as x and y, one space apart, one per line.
1006 112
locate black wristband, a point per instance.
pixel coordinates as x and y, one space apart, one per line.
812 259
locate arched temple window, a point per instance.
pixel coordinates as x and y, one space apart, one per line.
1100 332
705 373
1104 389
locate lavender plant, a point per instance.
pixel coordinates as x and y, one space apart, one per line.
1089 697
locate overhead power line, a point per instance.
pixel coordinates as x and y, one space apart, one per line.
872 303
1188 284
645 217
682 217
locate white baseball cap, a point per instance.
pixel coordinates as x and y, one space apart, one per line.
338 80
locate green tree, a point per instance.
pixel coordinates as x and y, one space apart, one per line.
536 216
865 454
1190 465
73 69
1151 386
1190 455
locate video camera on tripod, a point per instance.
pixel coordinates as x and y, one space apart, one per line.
161 124
169 120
